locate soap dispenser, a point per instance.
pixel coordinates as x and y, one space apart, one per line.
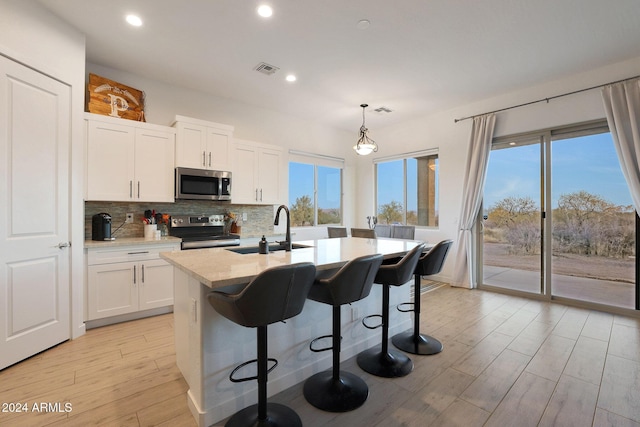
263 246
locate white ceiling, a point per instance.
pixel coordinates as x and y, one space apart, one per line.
416 57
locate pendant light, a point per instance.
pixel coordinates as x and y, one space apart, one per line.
365 145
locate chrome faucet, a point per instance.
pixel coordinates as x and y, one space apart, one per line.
287 242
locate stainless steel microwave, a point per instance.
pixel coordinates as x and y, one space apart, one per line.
202 184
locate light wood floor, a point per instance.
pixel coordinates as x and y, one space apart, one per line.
507 361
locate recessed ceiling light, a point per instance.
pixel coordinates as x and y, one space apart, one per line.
134 20
265 11
291 78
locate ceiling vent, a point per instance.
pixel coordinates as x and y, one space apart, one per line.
265 68
382 110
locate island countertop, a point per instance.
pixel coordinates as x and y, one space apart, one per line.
217 267
209 346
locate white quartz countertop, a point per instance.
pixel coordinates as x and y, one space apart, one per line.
130 241
217 267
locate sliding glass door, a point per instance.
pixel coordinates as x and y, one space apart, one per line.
512 216
593 242
558 218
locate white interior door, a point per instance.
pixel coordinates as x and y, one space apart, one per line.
34 212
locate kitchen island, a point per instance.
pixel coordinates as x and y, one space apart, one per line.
208 346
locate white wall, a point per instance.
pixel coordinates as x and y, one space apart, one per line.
31 35
452 139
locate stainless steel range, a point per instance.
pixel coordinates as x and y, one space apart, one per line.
201 231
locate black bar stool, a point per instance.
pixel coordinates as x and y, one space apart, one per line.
274 295
335 390
412 341
387 362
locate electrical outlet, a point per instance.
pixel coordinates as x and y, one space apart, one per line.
129 219
244 216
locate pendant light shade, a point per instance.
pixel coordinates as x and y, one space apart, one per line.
365 145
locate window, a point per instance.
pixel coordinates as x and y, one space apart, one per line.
407 190
315 190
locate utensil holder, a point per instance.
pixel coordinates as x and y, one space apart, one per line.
150 231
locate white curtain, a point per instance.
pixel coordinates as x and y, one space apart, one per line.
474 177
622 104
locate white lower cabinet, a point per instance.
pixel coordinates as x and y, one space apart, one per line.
156 289
128 279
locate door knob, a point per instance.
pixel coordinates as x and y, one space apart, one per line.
62 245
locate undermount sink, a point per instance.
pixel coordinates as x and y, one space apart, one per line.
273 247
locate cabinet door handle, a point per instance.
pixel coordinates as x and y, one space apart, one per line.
143 274
256 194
204 161
209 158
137 253
138 189
261 194
134 275
131 189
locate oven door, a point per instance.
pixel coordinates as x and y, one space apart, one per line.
210 243
198 184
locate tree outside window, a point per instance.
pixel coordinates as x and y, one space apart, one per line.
315 194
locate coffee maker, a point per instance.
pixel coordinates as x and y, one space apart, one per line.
101 227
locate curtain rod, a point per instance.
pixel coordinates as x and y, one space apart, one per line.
545 99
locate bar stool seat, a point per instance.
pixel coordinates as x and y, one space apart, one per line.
335 390
334 232
363 232
274 295
387 362
413 341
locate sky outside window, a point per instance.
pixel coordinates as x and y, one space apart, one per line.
390 182
300 181
328 187
594 166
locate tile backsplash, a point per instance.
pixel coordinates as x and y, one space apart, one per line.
259 217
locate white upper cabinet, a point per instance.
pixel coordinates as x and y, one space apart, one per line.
203 145
129 161
257 174
154 165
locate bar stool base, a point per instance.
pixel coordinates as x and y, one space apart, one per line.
277 416
344 394
392 364
424 345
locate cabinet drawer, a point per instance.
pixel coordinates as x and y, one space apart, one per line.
127 254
